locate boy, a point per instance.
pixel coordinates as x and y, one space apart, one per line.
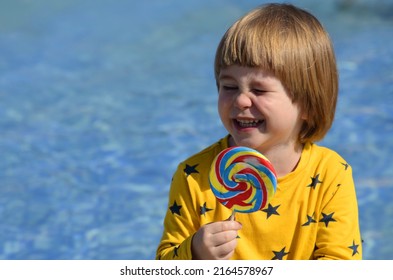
277 80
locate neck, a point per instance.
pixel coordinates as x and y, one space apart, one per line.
284 158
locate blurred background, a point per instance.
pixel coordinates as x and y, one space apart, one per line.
100 100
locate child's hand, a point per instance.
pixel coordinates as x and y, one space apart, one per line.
215 241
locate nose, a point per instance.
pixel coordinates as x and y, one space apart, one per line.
243 100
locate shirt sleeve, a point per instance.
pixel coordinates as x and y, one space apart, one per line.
338 230
181 221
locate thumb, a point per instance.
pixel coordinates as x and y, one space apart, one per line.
232 217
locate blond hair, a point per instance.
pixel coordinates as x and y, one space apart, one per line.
293 45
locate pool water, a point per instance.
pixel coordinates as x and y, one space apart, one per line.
100 100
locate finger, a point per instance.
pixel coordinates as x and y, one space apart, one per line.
224 226
223 237
225 251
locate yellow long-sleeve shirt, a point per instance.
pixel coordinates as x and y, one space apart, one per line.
313 215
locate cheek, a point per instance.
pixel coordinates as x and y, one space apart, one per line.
286 114
224 108
293 117
222 103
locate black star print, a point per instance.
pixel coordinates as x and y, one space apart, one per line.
314 182
345 165
271 210
175 251
175 209
279 255
309 221
354 248
190 169
204 209
327 218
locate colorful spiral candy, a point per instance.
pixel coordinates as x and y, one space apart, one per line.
242 179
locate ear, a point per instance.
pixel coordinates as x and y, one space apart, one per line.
304 116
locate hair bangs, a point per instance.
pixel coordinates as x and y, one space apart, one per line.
246 44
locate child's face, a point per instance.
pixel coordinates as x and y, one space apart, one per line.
256 109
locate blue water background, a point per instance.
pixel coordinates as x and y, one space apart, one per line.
100 100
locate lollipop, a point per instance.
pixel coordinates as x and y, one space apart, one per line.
242 179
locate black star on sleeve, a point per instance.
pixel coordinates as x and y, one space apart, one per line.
175 209
175 251
189 169
327 218
204 209
346 165
310 220
354 248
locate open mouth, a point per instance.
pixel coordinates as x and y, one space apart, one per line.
247 123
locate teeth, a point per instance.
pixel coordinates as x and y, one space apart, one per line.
247 123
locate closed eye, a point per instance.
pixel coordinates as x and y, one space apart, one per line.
259 91
229 88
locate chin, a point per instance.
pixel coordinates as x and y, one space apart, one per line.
245 142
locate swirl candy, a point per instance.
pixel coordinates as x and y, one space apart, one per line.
242 179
